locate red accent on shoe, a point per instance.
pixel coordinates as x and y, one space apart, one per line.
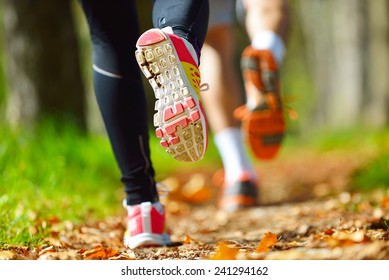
150 37
164 143
181 49
175 140
158 224
206 124
190 102
169 114
246 176
159 132
195 116
172 127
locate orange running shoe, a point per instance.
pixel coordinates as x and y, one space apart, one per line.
262 116
175 78
241 194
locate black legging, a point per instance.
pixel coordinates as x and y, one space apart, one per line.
118 86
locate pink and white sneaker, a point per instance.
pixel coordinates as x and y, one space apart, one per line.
146 226
172 71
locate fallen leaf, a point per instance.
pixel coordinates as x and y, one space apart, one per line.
190 240
177 208
329 231
97 253
294 243
54 220
197 189
218 178
46 250
224 251
112 253
356 236
344 238
7 255
385 203
267 241
82 251
100 253
122 256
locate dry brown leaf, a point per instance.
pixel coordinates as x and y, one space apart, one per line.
112 252
329 231
53 220
385 203
100 253
122 256
356 236
190 240
97 253
7 255
82 251
197 189
345 238
177 207
224 251
218 178
49 249
294 244
267 241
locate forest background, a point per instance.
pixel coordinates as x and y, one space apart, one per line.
53 149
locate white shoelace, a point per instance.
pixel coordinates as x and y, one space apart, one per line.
204 87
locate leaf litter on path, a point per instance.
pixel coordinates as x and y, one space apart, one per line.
306 214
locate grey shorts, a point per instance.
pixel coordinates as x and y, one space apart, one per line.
221 12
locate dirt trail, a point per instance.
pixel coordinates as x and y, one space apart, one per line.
306 207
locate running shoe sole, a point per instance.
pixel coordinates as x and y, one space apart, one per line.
180 120
146 240
264 126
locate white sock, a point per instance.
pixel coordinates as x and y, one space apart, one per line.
269 40
190 47
235 160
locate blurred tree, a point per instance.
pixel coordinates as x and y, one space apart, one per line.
42 62
377 99
348 44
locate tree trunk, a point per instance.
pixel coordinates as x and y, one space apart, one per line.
376 102
42 61
348 70
335 34
314 16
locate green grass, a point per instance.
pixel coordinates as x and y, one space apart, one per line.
347 140
49 174
373 175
